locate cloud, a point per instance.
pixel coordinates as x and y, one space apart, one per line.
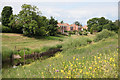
59 0
71 12
81 13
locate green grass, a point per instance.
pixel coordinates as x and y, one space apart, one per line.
96 60
11 40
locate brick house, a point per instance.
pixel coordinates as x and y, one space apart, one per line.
66 27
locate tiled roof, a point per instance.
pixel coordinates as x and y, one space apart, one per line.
66 24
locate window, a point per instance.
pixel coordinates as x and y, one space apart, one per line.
71 28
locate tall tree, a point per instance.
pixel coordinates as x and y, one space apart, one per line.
27 17
98 24
6 13
61 22
52 26
77 23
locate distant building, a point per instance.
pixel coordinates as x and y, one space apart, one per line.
85 27
66 27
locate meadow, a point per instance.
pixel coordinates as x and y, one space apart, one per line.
81 57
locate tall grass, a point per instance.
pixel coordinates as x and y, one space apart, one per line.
6 53
77 42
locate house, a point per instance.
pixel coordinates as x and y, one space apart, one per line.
85 27
66 27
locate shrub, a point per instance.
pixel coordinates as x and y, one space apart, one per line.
70 32
89 40
37 50
85 33
72 43
6 29
104 34
65 31
60 39
58 32
59 46
80 33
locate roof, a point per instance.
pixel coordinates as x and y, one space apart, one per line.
85 27
66 24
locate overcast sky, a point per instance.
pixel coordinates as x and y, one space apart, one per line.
69 12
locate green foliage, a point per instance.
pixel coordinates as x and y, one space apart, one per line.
89 40
59 46
6 29
6 53
73 43
91 31
0 28
80 32
6 13
104 34
77 23
30 22
71 32
52 27
111 26
61 22
85 32
98 24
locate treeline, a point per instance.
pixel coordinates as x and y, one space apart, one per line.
98 24
29 22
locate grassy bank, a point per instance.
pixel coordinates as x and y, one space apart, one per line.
96 60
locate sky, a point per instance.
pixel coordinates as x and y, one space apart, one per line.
69 11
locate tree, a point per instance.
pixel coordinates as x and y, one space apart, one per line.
111 26
52 26
98 24
6 13
91 22
77 23
61 22
28 18
15 24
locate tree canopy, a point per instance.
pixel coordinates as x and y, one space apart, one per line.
6 13
77 23
30 22
97 24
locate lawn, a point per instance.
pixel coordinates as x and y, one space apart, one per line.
83 60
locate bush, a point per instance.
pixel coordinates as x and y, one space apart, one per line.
89 40
59 33
104 34
80 33
85 33
60 39
65 31
59 46
73 43
6 29
70 32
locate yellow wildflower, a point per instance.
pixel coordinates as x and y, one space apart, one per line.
76 58
73 57
98 57
62 70
90 67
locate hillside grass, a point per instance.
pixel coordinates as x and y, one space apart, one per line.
11 40
95 60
